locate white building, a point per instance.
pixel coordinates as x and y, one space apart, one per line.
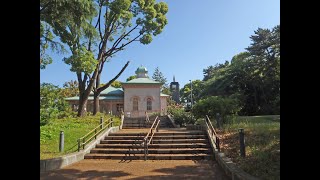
136 97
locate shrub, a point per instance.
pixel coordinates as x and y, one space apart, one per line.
216 104
180 116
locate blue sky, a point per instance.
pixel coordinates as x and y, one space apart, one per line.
198 34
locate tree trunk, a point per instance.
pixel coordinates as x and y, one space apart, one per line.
98 89
96 103
82 106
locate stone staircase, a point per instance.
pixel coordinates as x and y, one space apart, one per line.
133 123
172 144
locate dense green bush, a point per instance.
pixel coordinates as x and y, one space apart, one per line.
180 116
216 104
52 104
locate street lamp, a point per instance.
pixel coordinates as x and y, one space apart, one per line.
191 91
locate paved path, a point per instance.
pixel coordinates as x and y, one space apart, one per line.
138 169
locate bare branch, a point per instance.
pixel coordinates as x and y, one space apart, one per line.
111 81
98 22
122 46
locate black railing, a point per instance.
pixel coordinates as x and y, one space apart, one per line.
83 141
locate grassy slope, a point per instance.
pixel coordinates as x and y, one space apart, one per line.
262 139
73 128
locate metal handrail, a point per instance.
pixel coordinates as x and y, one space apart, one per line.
85 140
157 125
213 133
145 139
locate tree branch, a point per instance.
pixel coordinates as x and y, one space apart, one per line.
122 46
112 80
98 22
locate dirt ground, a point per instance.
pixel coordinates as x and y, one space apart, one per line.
138 169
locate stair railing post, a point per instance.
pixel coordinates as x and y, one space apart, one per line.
242 143
218 143
78 145
111 122
101 122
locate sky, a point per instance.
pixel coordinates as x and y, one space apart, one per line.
198 34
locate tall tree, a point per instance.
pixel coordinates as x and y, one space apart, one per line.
158 76
55 16
125 21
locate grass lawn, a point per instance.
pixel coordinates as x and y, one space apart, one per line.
73 128
262 140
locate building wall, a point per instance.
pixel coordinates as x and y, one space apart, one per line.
163 105
105 106
142 92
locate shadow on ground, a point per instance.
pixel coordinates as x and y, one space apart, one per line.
135 170
77 174
203 170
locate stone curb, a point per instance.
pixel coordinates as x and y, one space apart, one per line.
60 162
230 168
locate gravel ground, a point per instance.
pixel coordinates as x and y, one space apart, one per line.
138 169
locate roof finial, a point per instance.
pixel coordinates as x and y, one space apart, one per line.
174 79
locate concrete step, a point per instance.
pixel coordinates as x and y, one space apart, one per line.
127 146
155 141
150 156
155 137
151 151
159 133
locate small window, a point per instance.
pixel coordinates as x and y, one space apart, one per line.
135 104
149 104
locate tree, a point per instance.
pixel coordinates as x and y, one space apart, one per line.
252 77
70 89
216 104
158 76
51 102
197 88
55 15
131 77
124 18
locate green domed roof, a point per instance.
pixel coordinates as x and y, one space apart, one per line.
141 69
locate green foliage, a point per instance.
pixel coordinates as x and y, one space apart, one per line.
82 61
73 127
252 77
158 76
70 89
197 87
262 139
215 104
116 84
52 104
131 77
57 17
180 116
